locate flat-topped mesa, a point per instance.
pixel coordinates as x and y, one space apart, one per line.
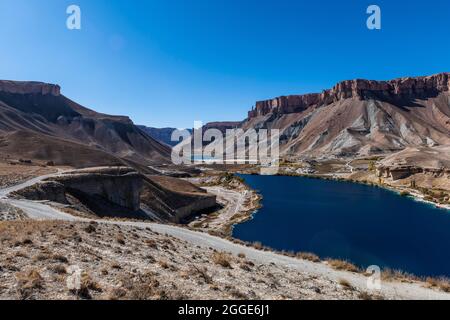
401 88
29 87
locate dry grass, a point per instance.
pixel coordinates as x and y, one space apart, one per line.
86 285
308 256
238 294
223 259
58 269
342 265
147 287
257 245
398 275
202 273
151 244
367 296
90 228
28 283
120 240
245 267
442 284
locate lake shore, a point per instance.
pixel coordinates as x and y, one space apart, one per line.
388 274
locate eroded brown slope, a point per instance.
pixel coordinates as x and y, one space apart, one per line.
66 132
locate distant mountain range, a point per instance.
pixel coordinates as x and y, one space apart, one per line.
164 135
359 117
38 122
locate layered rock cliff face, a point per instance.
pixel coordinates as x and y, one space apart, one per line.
397 89
109 187
429 161
123 192
175 200
29 87
360 117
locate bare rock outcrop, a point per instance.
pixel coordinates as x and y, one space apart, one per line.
117 186
429 161
120 189
175 200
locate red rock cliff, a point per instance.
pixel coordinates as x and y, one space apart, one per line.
29 87
362 89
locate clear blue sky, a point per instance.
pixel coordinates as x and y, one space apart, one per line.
168 63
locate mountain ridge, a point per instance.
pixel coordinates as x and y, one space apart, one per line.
359 117
38 110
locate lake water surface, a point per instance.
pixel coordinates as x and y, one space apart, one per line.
365 225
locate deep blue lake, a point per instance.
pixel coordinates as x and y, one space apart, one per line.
363 224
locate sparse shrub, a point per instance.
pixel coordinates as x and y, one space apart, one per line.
90 229
203 274
93 285
117 293
222 259
345 284
146 288
87 284
41 257
308 256
397 275
238 294
58 269
120 240
258 245
28 283
249 263
150 258
21 254
367 296
151 244
116 266
342 265
442 284
245 267
27 242
364 296
60 258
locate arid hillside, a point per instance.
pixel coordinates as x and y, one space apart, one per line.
38 122
132 263
360 117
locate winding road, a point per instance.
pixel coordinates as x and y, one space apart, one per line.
42 211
